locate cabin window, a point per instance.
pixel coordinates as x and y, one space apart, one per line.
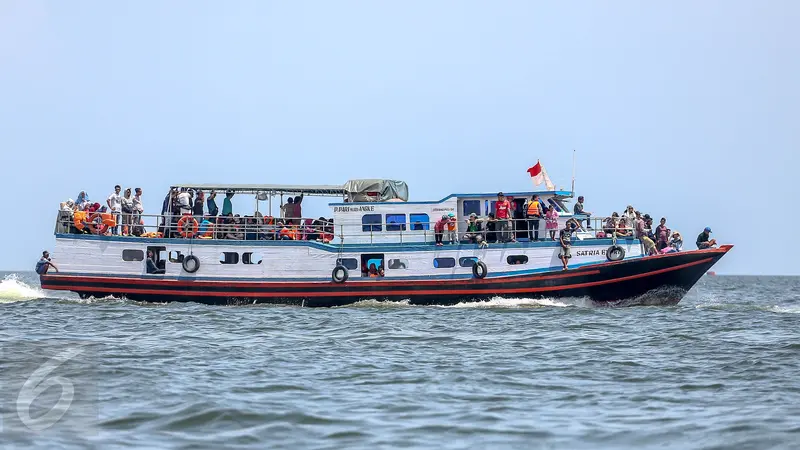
398 263
395 222
370 260
491 207
349 263
175 256
419 222
472 207
132 255
371 222
251 258
229 258
517 259
467 261
444 263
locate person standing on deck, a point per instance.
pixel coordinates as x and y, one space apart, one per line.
503 213
662 235
298 209
534 214
438 229
197 208
227 205
213 209
565 239
114 202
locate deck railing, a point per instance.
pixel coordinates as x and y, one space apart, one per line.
274 228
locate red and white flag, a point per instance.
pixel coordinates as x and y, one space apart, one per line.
539 176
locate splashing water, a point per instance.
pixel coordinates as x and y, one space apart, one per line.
12 289
520 302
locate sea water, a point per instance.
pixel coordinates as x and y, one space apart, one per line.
719 370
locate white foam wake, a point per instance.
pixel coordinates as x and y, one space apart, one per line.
12 289
520 302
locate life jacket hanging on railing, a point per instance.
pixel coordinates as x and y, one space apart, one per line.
78 218
187 231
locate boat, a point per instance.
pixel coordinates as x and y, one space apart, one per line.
377 245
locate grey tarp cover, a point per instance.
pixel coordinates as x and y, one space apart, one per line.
357 190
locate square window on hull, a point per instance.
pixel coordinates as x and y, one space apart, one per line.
132 255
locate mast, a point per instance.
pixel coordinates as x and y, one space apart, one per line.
573 172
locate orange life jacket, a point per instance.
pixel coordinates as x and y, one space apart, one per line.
78 218
533 208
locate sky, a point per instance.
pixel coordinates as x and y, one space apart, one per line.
687 110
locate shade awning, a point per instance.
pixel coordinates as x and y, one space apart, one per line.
270 189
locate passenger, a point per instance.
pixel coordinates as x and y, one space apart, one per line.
417 226
298 208
474 232
152 267
534 214
250 229
45 264
127 212
704 240
381 272
629 215
167 212
503 213
199 204
565 239
648 223
452 229
234 231
83 200
184 202
551 221
227 205
115 206
611 224
65 216
438 229
662 235
578 210
206 228
490 224
138 207
213 210
641 234
287 210
622 228
286 233
373 271
676 241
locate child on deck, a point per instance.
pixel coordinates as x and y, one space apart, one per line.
551 222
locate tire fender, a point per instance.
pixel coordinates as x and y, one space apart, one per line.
191 264
340 274
615 253
479 270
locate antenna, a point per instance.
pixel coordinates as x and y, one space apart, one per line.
573 172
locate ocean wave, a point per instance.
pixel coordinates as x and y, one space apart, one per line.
12 289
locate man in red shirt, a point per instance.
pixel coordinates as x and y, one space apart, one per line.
503 213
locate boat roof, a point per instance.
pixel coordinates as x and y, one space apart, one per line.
331 190
561 195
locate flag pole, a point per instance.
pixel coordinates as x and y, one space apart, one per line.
573 172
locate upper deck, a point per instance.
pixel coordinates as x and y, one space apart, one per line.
368 212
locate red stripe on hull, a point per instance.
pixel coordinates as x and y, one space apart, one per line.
343 291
